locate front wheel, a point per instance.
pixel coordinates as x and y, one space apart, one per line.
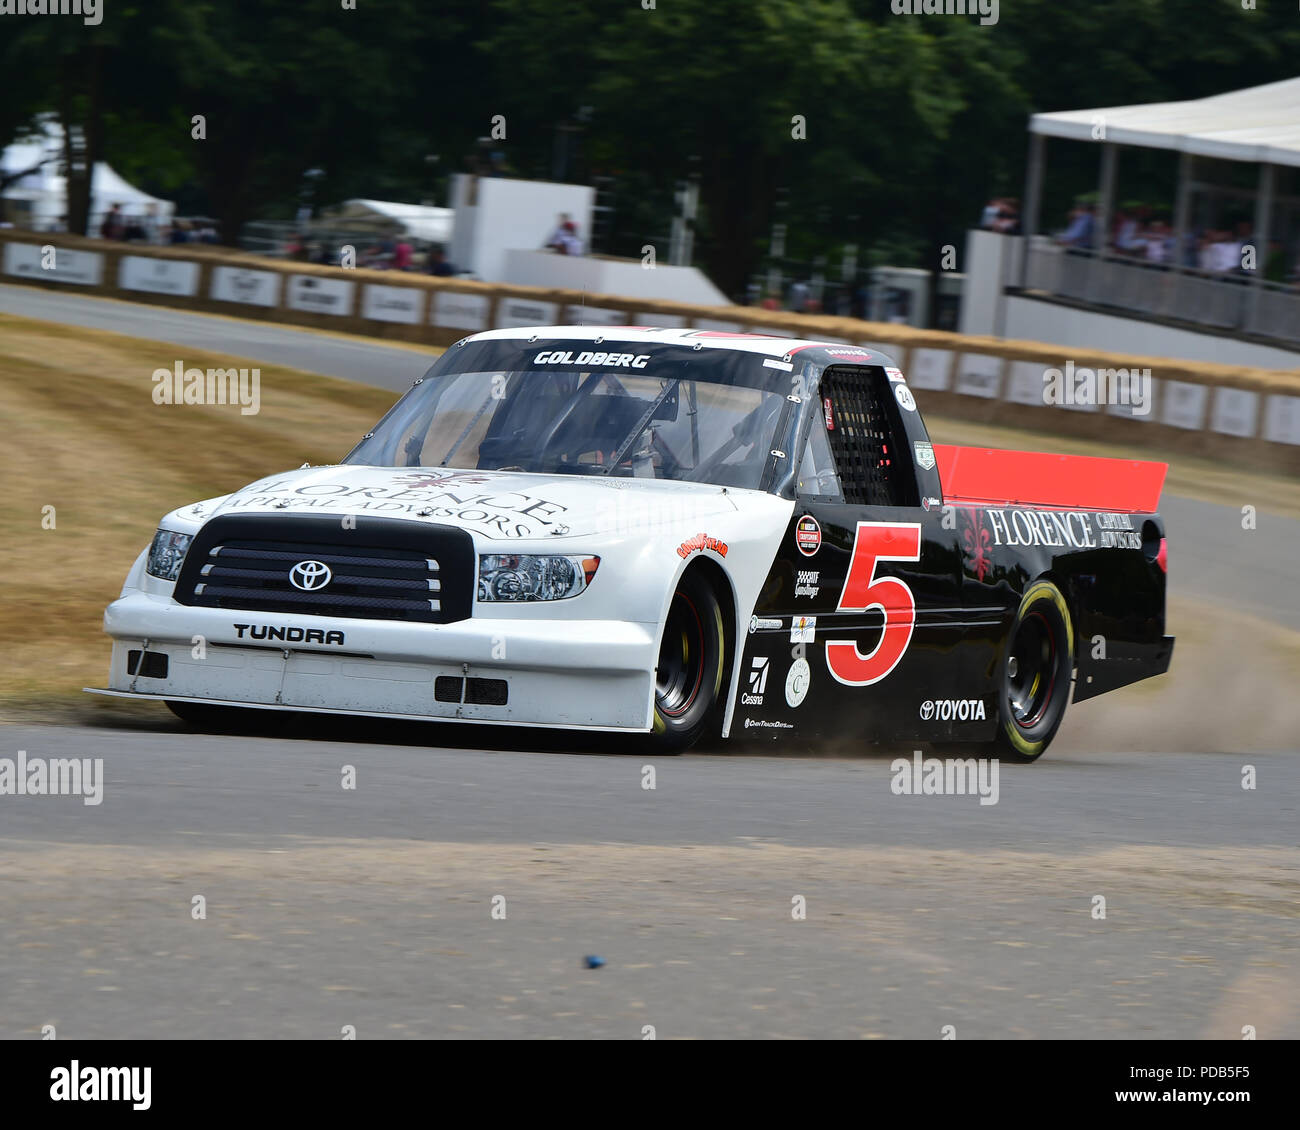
689 671
1036 670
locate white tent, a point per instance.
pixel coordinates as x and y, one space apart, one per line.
39 199
419 221
1259 124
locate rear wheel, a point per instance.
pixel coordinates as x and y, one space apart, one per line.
1036 669
689 671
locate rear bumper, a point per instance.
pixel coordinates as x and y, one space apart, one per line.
1124 664
591 674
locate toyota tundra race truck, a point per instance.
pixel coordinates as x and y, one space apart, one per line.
668 533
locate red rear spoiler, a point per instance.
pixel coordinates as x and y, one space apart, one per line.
987 476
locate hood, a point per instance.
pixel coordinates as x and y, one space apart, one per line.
499 505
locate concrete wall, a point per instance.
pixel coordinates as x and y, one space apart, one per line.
1036 320
610 276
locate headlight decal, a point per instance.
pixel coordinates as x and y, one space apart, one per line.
526 576
167 554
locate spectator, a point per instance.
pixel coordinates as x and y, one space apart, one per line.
402 252
438 264
1220 253
113 227
555 241
1159 243
1080 230
1129 234
1007 221
565 241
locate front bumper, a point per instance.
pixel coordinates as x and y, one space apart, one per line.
589 674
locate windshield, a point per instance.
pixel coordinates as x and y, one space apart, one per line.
687 419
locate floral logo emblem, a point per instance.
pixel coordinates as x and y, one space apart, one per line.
433 479
977 545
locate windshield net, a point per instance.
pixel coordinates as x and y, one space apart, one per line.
640 424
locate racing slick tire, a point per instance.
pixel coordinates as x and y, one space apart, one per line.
691 666
1036 670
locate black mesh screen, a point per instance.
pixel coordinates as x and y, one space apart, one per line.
872 469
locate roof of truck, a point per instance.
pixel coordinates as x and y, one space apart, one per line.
769 345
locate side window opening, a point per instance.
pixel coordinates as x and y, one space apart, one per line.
817 475
867 439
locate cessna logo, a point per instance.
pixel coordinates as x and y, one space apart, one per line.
310 575
757 682
609 360
953 710
289 635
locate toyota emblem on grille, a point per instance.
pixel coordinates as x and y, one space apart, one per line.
310 575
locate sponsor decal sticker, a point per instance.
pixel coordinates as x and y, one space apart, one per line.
803 629
510 513
586 357
757 681
830 413
1059 529
952 710
1116 531
807 582
757 624
905 399
763 723
784 366
699 543
808 535
797 682
931 503
924 455
895 375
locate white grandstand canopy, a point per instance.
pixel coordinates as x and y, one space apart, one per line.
1259 124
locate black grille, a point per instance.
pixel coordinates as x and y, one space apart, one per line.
866 441
476 692
146 664
448 688
380 569
487 692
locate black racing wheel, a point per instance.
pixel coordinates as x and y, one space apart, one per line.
1036 670
690 668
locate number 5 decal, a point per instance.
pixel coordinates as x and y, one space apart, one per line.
876 542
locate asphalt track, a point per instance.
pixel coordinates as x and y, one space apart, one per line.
372 906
